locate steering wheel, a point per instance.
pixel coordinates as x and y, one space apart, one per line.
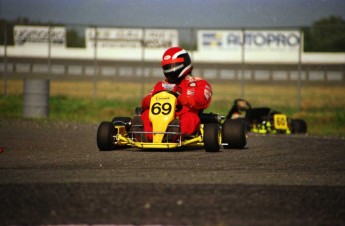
167 91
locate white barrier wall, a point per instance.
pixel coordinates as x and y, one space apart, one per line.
327 58
155 55
214 46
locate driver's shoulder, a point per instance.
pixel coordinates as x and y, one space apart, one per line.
196 80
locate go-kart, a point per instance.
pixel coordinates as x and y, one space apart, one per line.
121 132
264 120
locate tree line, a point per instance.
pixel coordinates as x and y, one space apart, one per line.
324 35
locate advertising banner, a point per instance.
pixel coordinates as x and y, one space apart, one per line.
131 38
259 40
218 40
114 38
39 35
161 39
250 45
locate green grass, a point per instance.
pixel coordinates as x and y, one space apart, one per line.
71 109
11 107
88 110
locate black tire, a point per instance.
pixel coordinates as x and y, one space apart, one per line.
299 126
105 136
234 134
211 137
123 121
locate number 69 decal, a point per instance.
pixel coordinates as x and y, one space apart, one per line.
158 108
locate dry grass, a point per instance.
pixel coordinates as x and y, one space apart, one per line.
322 105
321 97
313 97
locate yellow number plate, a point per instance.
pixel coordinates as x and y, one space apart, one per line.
280 121
162 112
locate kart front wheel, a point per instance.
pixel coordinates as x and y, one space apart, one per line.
234 134
123 121
211 137
106 136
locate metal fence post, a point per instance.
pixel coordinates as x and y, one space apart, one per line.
49 51
95 65
142 88
299 83
242 64
5 60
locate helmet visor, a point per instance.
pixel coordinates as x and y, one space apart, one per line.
172 67
172 71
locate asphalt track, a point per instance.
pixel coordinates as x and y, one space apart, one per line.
53 173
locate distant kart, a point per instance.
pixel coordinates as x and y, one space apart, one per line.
121 132
264 120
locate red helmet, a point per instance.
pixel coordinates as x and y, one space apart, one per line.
176 63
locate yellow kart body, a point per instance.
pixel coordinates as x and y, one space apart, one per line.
211 134
162 112
280 125
265 120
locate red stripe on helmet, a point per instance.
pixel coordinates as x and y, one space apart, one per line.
172 61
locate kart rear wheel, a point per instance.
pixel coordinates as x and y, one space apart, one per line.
298 126
234 134
106 136
211 137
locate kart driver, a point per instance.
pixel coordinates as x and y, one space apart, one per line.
194 93
239 109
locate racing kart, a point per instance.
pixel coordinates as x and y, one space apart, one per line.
121 132
264 120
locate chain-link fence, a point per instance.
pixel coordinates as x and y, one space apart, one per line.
95 54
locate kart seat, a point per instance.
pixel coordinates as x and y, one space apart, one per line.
257 114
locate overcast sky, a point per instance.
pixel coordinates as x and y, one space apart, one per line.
175 13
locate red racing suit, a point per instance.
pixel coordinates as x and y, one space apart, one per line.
194 95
